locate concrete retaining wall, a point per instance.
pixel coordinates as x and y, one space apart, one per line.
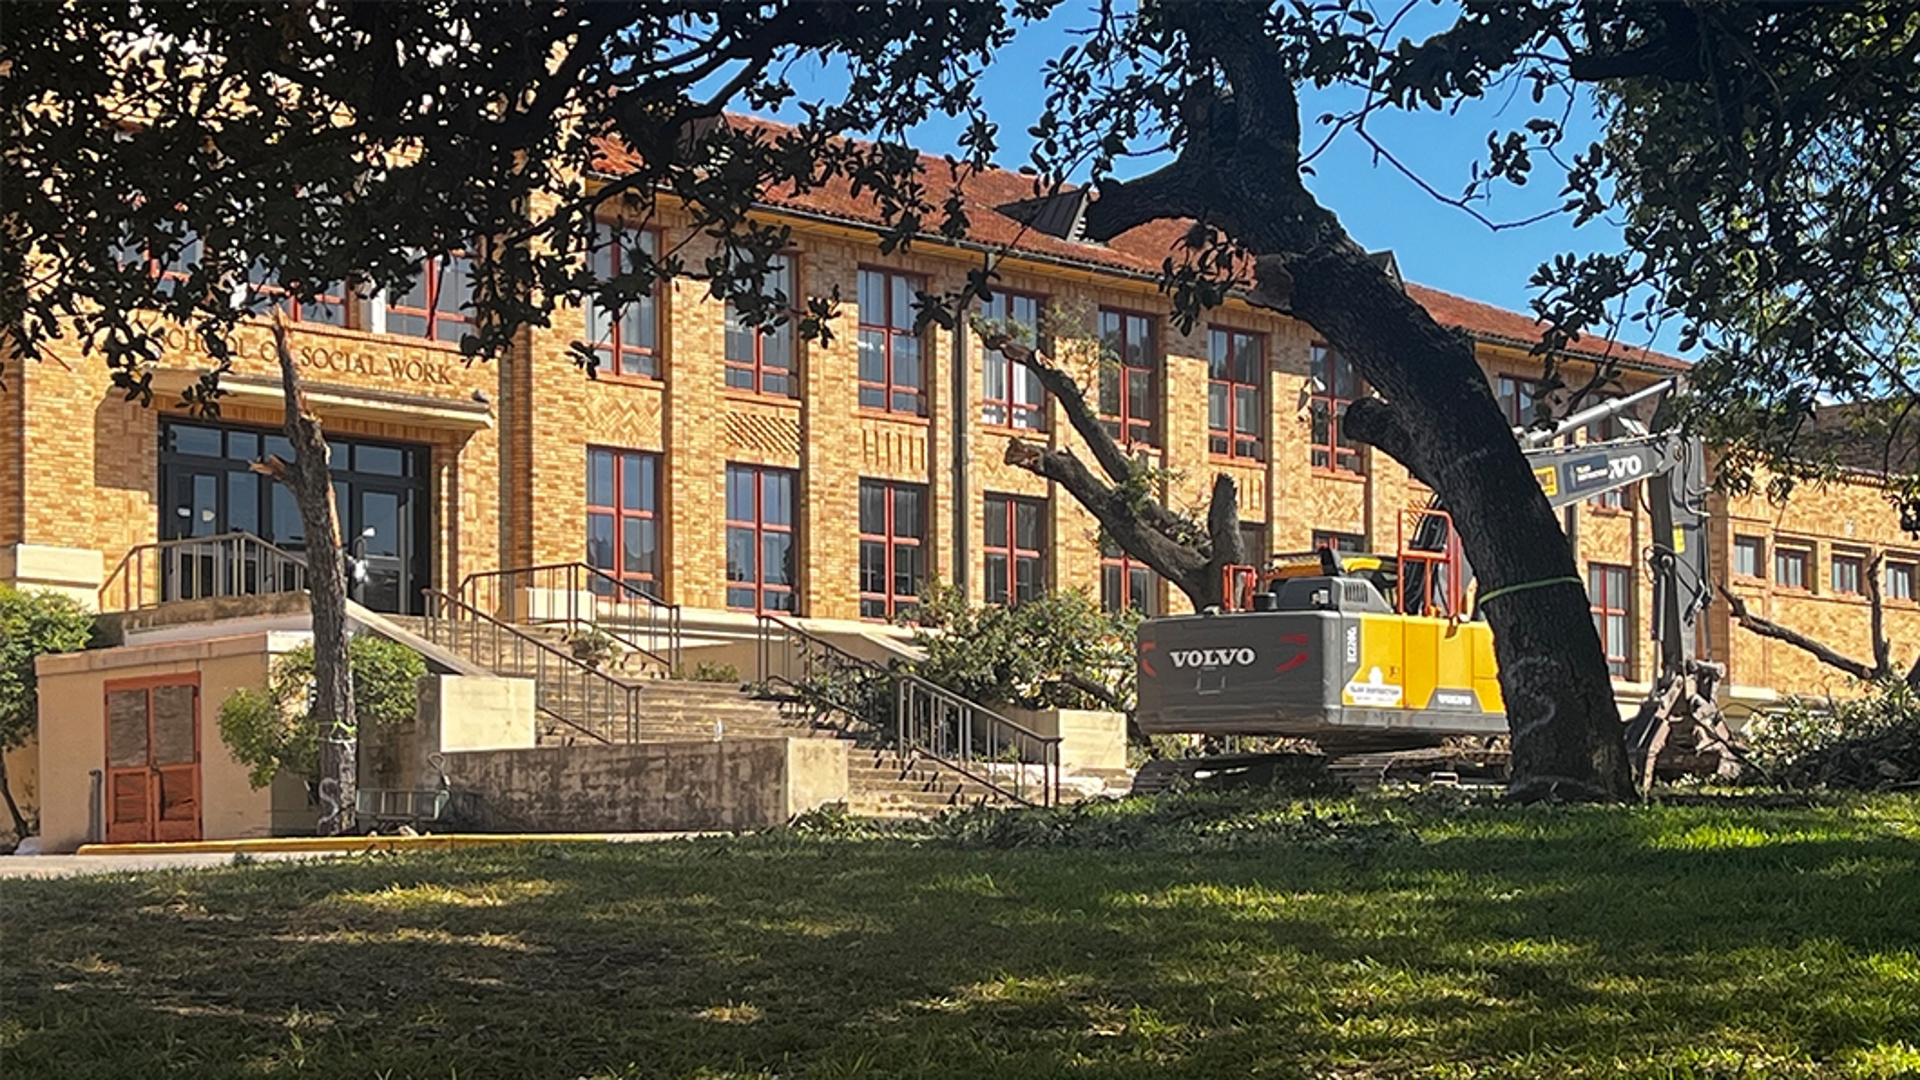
650 787
1089 738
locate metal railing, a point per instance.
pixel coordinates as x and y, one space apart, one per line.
926 719
577 596
201 568
570 691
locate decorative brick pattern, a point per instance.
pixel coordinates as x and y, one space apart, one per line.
762 433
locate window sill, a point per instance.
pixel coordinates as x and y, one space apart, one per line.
784 401
352 333
622 379
1239 460
991 428
1340 474
898 417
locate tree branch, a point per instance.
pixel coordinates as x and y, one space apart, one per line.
1674 55
1767 628
1182 564
1223 529
1112 460
1882 651
1379 425
1103 694
1179 189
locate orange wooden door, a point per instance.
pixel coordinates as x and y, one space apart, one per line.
153 760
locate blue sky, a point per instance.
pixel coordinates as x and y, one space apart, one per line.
1437 245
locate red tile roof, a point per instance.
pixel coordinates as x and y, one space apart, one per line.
1139 251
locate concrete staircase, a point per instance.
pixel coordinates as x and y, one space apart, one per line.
881 783
673 710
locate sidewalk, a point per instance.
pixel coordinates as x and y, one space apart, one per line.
62 866
122 858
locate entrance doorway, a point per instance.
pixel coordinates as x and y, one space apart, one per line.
153 760
207 488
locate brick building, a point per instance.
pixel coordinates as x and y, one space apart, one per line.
727 472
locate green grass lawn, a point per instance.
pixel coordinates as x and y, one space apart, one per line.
1195 936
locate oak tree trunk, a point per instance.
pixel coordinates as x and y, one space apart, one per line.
1239 171
309 477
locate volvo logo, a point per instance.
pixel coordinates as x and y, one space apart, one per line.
1210 658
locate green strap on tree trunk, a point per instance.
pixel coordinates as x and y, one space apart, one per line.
1525 585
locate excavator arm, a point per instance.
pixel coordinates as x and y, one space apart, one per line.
1674 467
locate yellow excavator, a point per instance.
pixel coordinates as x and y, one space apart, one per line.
1372 652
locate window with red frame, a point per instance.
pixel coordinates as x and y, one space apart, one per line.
892 371
1015 548
179 266
623 518
329 306
1335 385
438 303
1011 394
763 363
625 340
761 550
1516 398
1130 377
893 529
1253 544
1126 584
1609 591
1236 413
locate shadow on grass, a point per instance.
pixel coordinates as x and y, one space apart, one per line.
1688 940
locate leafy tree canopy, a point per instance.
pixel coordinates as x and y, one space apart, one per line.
271 731
32 624
1761 156
1055 651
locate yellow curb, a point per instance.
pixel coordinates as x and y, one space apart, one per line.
324 845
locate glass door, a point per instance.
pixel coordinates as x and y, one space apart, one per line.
388 576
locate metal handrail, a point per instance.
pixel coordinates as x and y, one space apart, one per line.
567 689
938 723
929 720
551 594
200 568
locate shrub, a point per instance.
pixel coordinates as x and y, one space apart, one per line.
1866 742
1056 651
593 647
271 730
31 625
708 671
